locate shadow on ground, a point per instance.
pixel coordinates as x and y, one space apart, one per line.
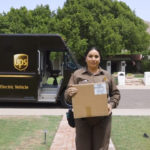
29 105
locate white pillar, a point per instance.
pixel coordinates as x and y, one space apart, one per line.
147 78
108 66
123 66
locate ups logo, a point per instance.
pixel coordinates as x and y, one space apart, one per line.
21 61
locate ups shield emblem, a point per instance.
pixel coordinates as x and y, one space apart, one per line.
21 61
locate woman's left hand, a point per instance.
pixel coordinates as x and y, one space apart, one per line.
109 108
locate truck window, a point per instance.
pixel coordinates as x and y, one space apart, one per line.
69 62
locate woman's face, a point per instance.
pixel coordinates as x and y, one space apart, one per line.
93 59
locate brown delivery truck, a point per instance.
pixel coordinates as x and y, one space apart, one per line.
26 67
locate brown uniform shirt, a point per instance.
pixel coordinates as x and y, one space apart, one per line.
83 76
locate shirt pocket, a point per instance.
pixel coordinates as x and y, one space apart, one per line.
82 81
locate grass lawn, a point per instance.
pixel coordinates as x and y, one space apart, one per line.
27 132
50 80
139 75
128 131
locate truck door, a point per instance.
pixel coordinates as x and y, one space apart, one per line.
18 74
69 66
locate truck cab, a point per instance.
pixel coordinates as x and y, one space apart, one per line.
26 68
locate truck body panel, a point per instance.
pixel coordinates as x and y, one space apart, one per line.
25 67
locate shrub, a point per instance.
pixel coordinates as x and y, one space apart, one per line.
145 65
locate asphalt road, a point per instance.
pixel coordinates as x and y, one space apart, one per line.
134 98
130 99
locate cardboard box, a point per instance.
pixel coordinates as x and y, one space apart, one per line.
90 101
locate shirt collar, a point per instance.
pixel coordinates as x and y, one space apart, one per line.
85 71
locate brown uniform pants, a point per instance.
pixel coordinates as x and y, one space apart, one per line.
93 133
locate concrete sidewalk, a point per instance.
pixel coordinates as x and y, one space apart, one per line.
133 83
133 86
65 137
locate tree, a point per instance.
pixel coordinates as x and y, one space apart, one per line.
3 23
17 20
108 24
26 21
41 17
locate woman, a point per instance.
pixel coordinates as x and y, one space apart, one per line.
93 133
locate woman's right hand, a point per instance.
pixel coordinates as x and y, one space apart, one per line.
72 91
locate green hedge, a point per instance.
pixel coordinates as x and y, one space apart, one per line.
145 64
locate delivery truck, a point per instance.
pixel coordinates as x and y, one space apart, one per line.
26 67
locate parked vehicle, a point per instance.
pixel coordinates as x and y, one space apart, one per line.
25 68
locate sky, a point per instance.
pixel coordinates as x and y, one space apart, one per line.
141 7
